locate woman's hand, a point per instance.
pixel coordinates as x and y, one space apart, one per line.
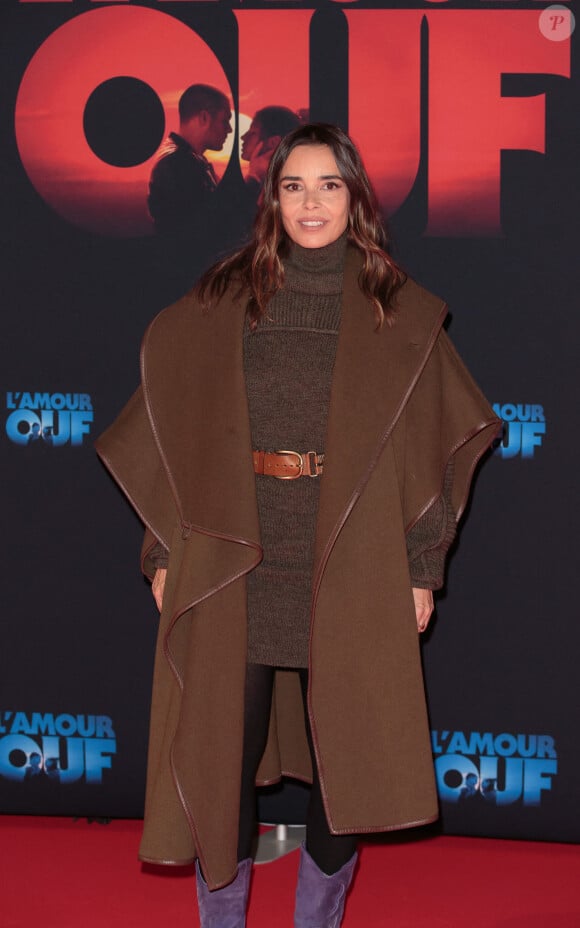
423 607
261 156
158 586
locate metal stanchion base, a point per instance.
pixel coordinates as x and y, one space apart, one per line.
277 842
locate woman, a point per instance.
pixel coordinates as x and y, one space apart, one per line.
292 584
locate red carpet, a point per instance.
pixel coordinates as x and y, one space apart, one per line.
57 873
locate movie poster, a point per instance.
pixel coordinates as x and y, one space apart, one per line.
467 115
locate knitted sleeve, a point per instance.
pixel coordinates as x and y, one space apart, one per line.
429 540
154 554
159 556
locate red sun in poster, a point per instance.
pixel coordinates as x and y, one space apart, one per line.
151 47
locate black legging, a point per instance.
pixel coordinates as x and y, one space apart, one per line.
329 851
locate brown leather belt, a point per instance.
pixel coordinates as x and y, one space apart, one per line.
288 465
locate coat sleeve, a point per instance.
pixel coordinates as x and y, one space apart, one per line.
446 428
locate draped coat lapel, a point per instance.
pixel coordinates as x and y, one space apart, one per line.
191 365
401 406
373 374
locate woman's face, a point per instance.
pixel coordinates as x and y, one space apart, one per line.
314 199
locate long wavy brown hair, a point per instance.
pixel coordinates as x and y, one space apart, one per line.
258 268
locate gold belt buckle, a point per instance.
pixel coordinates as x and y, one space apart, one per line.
300 465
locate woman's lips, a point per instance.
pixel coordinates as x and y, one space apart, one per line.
312 223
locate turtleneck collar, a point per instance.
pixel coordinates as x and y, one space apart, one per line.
321 267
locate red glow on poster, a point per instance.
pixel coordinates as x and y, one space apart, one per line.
273 61
83 53
470 122
384 97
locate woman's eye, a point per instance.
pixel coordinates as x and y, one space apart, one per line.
331 185
291 187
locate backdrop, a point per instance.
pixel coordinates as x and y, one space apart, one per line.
467 115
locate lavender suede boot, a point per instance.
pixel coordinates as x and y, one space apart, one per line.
225 907
320 898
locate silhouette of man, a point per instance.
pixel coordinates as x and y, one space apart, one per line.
183 181
34 433
34 768
469 789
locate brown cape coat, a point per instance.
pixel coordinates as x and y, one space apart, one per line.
402 404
